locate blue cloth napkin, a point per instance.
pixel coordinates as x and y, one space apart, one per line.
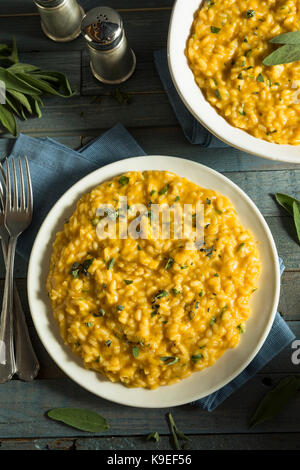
54 168
193 130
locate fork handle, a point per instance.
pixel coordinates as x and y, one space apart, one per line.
7 356
27 364
26 361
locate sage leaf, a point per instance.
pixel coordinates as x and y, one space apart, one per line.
175 432
80 418
283 55
8 119
287 38
274 401
15 83
20 67
296 214
292 206
153 436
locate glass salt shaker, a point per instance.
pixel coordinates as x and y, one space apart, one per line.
60 19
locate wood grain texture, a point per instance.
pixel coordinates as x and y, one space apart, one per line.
19 7
272 441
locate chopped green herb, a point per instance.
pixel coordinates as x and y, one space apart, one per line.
139 248
160 294
248 53
123 180
260 78
135 351
201 293
169 263
120 308
152 192
197 304
196 357
240 246
240 76
176 199
100 314
176 291
218 94
212 321
81 268
110 264
184 266
241 328
164 189
128 282
215 30
89 324
169 360
108 343
98 358
250 13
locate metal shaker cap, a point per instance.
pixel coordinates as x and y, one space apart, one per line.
48 3
102 27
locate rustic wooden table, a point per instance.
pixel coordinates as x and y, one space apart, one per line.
150 118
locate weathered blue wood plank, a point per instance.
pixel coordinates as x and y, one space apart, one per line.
272 441
23 407
13 7
146 30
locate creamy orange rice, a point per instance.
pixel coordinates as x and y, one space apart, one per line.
228 42
129 312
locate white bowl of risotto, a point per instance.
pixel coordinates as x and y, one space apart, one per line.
149 322
215 54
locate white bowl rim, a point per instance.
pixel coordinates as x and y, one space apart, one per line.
114 168
199 107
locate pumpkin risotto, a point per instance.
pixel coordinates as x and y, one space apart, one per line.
150 312
228 43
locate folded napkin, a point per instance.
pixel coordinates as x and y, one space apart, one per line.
193 130
54 168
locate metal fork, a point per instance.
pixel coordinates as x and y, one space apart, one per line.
18 215
27 365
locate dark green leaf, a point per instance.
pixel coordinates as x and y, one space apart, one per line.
274 401
153 436
286 202
287 38
215 30
260 78
135 351
15 83
164 189
296 214
176 433
111 263
80 418
283 55
21 98
196 357
169 360
169 263
250 13
123 180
